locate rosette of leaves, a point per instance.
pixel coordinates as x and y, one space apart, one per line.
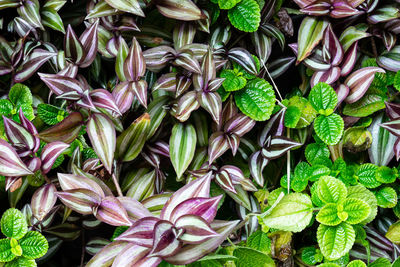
20 247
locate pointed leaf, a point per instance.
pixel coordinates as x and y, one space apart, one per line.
65 131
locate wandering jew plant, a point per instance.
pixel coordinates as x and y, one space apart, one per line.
194 133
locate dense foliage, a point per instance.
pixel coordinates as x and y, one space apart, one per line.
200 133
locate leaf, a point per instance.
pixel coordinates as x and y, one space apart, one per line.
367 105
182 145
34 245
259 241
20 94
51 115
22 262
355 210
335 241
5 250
13 224
302 105
51 19
366 174
251 257
245 16
5 107
180 9
311 255
356 263
386 197
329 128
386 175
256 100
227 4
293 213
330 189
233 81
316 150
310 34
328 215
396 81
102 135
381 262
65 131
362 193
323 98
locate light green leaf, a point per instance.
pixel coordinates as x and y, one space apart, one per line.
356 263
232 82
5 107
367 175
311 255
352 34
393 233
310 34
51 19
323 98
21 262
360 192
34 245
182 145
5 251
13 224
51 115
250 257
15 247
256 100
292 116
299 113
335 241
317 171
328 215
356 209
20 94
316 150
386 175
368 104
293 213
330 189
27 109
329 264
396 81
259 241
245 16
386 197
329 128
227 4
380 262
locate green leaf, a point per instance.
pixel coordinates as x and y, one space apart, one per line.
20 94
15 247
182 145
51 115
256 100
329 264
335 241
368 104
386 175
250 257
329 128
356 263
317 171
51 19
380 262
5 107
239 69
360 192
367 175
393 233
310 34
356 210
27 109
259 241
299 113
13 224
316 150
245 16
328 215
323 98
330 189
233 81
21 262
396 81
34 245
227 4
292 116
311 255
299 180
5 251
386 197
293 213
118 231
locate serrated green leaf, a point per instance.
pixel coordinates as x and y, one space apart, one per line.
311 255
329 128
329 264
368 104
20 94
5 107
380 262
259 241
293 213
5 251
314 196
250 257
323 98
316 150
356 263
367 175
292 116
13 224
299 180
307 113
386 175
396 81
21 262
256 100
34 245
317 171
182 146
386 197
27 109
245 16
51 115
360 192
330 189
356 209
227 4
232 82
335 241
328 215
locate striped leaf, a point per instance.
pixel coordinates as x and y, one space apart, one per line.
134 64
89 40
197 230
75 181
359 82
19 137
106 255
179 9
50 154
310 34
43 200
218 145
183 34
162 246
122 53
182 145
51 19
103 99
257 164
61 85
131 141
142 186
139 89
211 101
279 146
186 60
102 135
199 206
130 6
10 163
390 59
186 104
123 96
65 131
35 60
81 200
29 11
140 233
244 59
73 46
112 212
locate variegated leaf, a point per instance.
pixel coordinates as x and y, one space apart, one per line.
50 153
43 200
65 131
10 163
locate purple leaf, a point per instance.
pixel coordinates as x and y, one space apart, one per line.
342 92
28 125
139 88
218 145
65 131
140 233
10 163
179 9
240 124
211 101
103 99
333 46
392 126
134 64
279 145
33 164
71 181
50 153
22 140
123 96
257 164
134 255
327 76
112 212
244 59
43 200
158 57
197 230
224 180
73 47
341 9
349 60
186 60
81 200
106 255
166 241
274 126
89 42
186 104
36 59
60 85
393 110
